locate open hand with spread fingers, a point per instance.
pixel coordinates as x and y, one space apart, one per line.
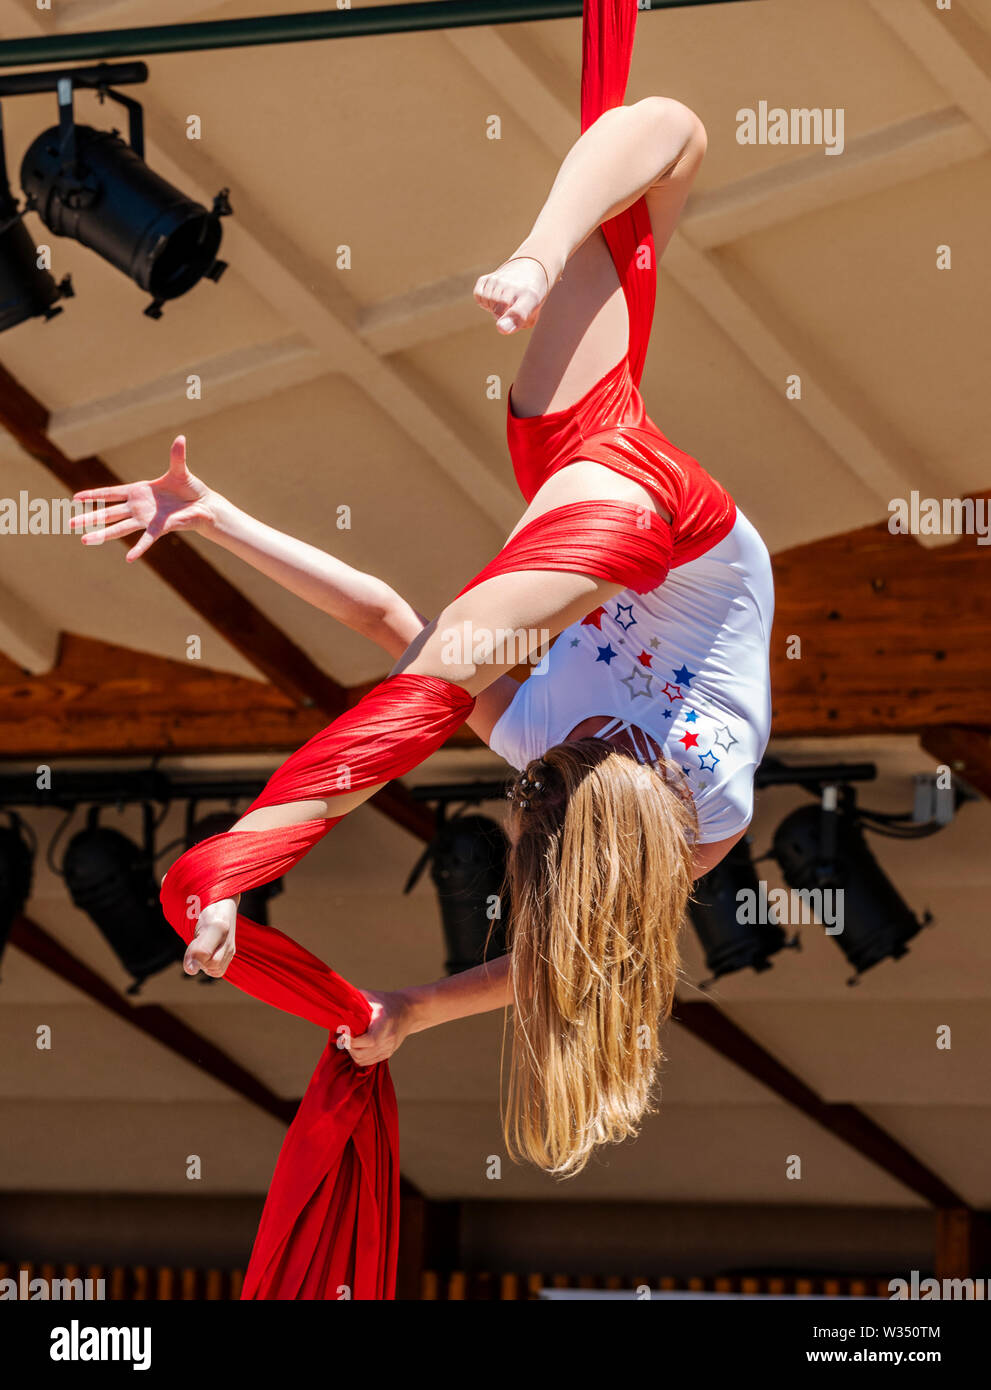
174 502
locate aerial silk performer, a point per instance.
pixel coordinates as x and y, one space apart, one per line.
330 1224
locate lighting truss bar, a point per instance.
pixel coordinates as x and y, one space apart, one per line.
770 773
71 789
297 28
149 784
18 84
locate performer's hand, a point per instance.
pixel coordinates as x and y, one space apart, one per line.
174 502
514 293
391 1024
212 947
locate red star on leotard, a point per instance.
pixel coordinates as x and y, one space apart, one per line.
689 740
594 619
645 658
668 687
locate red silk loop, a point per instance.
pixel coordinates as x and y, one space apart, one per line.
616 541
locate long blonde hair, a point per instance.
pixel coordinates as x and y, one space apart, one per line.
599 874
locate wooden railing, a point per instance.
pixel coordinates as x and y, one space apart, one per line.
164 1283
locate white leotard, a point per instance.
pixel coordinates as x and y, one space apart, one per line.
687 663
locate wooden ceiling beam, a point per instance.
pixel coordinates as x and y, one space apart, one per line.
952 47
239 377
894 638
845 1122
207 592
102 700
151 1019
966 751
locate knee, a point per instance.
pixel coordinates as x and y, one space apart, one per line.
666 115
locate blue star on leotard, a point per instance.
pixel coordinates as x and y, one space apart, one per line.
691 717
683 676
709 767
606 654
666 714
625 608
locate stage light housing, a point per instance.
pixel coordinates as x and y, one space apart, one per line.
111 879
16 869
92 186
822 847
715 911
467 859
27 290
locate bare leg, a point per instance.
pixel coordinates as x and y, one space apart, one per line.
651 149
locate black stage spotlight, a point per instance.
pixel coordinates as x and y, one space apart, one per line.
726 913
16 865
112 880
254 902
90 185
467 860
27 290
823 848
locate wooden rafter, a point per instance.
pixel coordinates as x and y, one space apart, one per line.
894 637
846 1122
107 701
206 591
102 700
967 753
151 1019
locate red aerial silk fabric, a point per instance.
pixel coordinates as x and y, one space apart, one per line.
330 1225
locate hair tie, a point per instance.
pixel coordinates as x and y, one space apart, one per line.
527 790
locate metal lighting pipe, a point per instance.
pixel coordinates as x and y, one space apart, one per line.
124 788
770 774
296 28
17 84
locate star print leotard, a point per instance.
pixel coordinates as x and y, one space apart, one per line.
686 662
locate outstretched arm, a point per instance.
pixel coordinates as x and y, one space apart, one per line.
179 501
